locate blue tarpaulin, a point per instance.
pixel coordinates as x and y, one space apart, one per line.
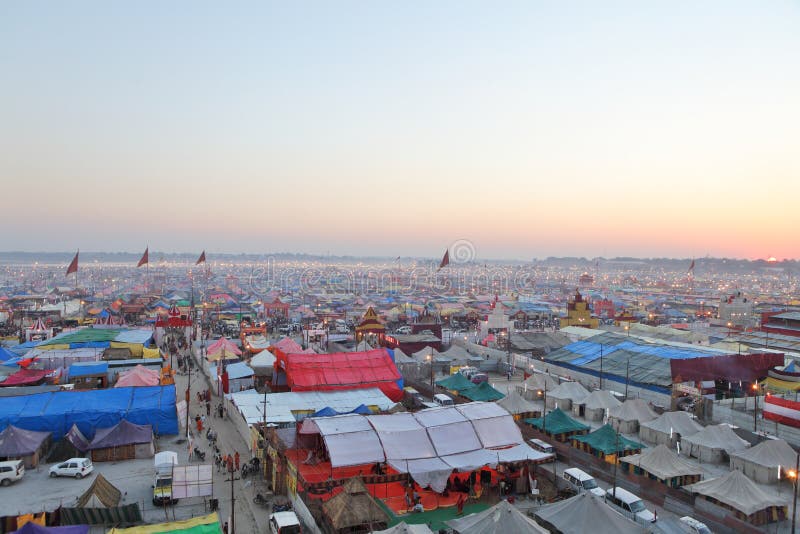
87 368
57 411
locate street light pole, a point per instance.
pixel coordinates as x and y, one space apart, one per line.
601 366
794 505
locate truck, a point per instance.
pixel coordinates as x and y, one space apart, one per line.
163 462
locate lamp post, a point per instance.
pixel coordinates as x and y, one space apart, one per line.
793 476
430 360
601 366
755 406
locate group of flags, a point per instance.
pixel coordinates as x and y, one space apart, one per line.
144 260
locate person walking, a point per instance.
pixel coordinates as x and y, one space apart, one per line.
236 459
208 408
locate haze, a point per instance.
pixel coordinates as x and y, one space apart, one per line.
394 128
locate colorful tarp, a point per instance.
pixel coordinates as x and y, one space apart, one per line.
207 524
24 377
344 370
784 411
57 411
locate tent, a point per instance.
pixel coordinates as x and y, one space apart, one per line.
669 428
456 382
32 528
533 387
483 392
354 509
263 363
664 465
27 445
343 370
502 518
220 345
627 416
138 376
286 345
605 442
123 441
564 395
558 425
73 445
404 528
585 512
713 444
764 462
25 377
596 405
101 504
518 406
738 493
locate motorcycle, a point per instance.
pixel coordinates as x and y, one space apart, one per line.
260 499
198 454
281 507
250 467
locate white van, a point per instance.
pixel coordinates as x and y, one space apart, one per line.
11 471
443 400
581 481
284 523
693 525
630 505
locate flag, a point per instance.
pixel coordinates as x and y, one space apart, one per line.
201 259
445 260
73 266
145 258
691 267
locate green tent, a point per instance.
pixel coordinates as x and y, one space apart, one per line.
558 422
483 392
607 441
455 382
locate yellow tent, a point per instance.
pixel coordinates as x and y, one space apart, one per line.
207 524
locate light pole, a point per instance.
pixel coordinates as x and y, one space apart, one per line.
793 476
430 360
601 366
755 407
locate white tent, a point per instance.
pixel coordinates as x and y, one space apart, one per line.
665 465
669 428
502 518
405 528
738 492
763 462
564 395
627 417
586 512
595 405
713 444
533 387
263 363
516 404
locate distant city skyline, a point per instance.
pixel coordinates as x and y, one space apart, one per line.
530 129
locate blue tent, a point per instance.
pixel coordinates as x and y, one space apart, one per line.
361 409
6 354
325 412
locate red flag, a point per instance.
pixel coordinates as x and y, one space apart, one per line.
691 267
445 260
145 257
201 259
73 266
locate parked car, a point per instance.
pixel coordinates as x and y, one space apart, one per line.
581 481
284 523
690 524
74 467
630 505
11 471
479 378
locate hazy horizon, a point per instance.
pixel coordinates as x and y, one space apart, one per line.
531 129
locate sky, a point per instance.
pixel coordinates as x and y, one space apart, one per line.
529 129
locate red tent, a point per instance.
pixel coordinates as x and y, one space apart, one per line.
340 371
25 377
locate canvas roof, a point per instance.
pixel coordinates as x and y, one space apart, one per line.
287 345
600 400
404 528
515 403
353 507
483 392
586 512
501 518
738 492
456 382
123 433
569 390
32 528
263 359
769 453
679 422
138 376
101 494
719 436
608 441
663 463
557 422
539 381
20 442
633 410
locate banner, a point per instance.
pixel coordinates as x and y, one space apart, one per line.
781 410
192 481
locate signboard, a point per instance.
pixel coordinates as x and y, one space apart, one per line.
181 407
192 481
